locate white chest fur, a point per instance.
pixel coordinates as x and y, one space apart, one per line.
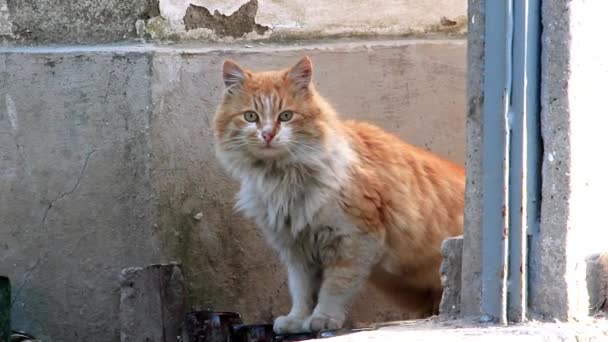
298 204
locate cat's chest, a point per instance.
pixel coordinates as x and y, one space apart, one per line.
284 211
312 238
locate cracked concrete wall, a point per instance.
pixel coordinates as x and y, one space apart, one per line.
74 187
114 147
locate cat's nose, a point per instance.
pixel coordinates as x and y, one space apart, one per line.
267 136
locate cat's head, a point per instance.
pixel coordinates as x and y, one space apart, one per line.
271 115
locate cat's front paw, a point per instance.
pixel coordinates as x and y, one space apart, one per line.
320 321
288 324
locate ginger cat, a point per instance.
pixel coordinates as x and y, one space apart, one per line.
342 202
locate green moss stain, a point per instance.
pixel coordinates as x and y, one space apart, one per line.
159 28
181 241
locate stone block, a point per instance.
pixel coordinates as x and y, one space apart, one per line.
597 283
152 303
451 276
86 21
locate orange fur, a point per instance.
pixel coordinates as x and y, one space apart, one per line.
406 198
411 197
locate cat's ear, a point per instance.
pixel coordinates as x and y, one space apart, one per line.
301 73
233 73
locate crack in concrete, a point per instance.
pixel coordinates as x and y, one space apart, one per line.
71 191
38 262
26 277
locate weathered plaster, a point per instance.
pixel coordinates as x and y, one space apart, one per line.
83 21
6 25
305 19
96 21
235 25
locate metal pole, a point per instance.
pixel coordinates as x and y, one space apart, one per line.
512 152
496 142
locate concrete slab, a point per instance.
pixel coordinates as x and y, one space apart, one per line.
457 331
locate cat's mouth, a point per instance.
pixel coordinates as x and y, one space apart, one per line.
270 151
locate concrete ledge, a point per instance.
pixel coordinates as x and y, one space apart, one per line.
462 330
333 44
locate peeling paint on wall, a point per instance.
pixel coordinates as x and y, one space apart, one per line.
101 21
229 20
235 25
175 10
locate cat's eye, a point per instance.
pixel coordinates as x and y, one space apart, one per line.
285 116
250 116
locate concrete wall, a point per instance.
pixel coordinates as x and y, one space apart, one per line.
75 194
107 158
471 253
85 21
106 151
94 21
574 72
